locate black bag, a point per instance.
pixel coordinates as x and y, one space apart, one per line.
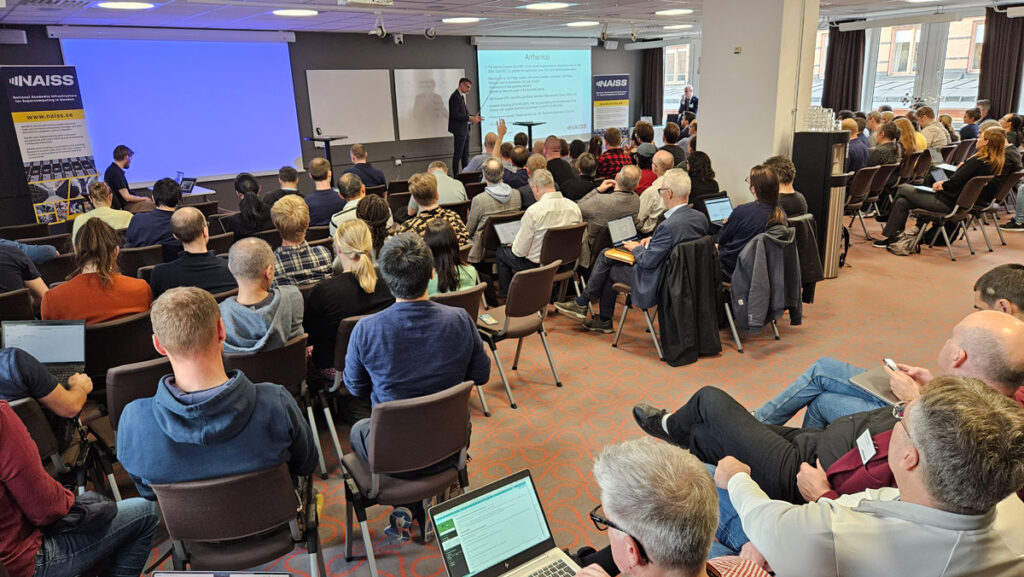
91 512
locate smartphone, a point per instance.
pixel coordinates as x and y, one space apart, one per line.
488 319
890 363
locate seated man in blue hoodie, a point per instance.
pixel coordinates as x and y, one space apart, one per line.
262 316
204 423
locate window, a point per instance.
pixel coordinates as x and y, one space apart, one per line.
903 50
677 76
894 84
977 40
959 89
820 56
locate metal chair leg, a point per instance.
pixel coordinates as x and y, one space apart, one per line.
860 216
551 361
981 224
654 335
967 237
995 223
949 245
519 349
732 326
775 329
483 401
371 560
351 514
501 371
329 417
316 441
622 323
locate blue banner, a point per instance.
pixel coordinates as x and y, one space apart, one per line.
611 102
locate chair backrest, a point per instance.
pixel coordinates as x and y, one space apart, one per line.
58 269
208 208
971 191
924 163
215 223
490 236
32 415
947 151
130 260
1006 187
398 186
16 306
285 366
146 272
910 163
343 335
882 177
564 243
221 297
469 177
474 188
467 299
118 342
127 383
412 434
221 243
459 208
963 150
272 237
380 190
464 250
399 203
860 187
328 242
318 233
20 231
122 236
61 242
530 291
600 242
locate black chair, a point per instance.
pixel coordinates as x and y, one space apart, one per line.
399 203
947 152
327 242
216 223
20 231
61 242
221 243
146 273
126 383
880 185
474 188
909 164
857 194
208 208
490 236
58 269
981 213
963 150
221 297
130 260
272 237
16 305
72 461
378 190
469 177
398 186
318 233
459 208
959 217
118 342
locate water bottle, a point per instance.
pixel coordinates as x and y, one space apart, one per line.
178 176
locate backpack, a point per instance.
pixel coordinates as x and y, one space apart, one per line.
906 245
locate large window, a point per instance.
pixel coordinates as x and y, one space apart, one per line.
895 67
677 76
903 49
820 56
959 90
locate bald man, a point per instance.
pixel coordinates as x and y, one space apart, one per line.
652 206
476 163
196 266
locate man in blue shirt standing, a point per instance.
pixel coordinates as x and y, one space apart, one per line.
369 174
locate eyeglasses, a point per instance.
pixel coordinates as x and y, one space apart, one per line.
898 410
664 189
747 180
602 524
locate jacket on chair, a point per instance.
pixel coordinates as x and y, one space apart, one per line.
766 281
689 298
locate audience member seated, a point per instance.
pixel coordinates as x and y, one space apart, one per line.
449 190
353 191
644 159
987 161
611 161
969 130
121 193
288 179
368 174
577 187
887 150
1011 164
947 124
98 292
497 198
518 176
1001 289
559 168
324 202
197 266
750 219
702 176
671 136
358 290
18 272
263 317
376 213
792 202
31 501
576 148
651 204
450 273
423 187
21 376
253 214
612 199
908 138
204 423
682 223
535 162
100 197
957 457
154 227
689 144
521 139
935 135
857 151
1013 124
505 154
477 162
595 147
551 210
295 261
661 503
873 121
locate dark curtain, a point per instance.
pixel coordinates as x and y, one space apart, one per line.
652 84
1002 59
844 70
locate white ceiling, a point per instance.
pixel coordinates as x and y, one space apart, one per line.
500 17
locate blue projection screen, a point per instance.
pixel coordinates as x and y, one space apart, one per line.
550 86
203 108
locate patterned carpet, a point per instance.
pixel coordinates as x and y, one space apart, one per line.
881 305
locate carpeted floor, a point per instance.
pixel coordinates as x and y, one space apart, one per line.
880 305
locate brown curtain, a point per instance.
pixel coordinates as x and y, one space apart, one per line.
844 70
652 84
1002 58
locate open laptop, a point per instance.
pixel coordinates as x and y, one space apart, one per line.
58 345
507 231
187 184
876 383
936 155
937 174
622 230
220 574
499 529
719 209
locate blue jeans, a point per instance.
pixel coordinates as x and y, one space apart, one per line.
38 254
825 389
125 545
729 537
605 273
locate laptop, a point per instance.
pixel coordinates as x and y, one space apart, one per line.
936 155
499 529
938 175
876 383
58 345
187 184
719 209
945 166
220 574
622 230
507 231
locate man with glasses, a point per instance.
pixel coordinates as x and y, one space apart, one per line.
659 504
957 456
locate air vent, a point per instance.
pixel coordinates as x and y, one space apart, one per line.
56 4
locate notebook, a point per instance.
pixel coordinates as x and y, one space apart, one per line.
876 383
507 231
58 345
499 529
719 209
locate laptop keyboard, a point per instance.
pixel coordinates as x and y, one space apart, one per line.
61 373
557 569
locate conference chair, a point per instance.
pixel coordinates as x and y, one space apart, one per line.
947 152
272 237
565 244
459 208
240 521
223 296
72 462
474 188
408 435
216 224
857 194
924 164
378 190
16 305
130 260
598 244
208 208
469 177
909 165
880 185
464 250
963 150
468 300
122 236
146 272
61 242
344 334
980 213
20 231
626 291
959 217
522 315
58 269
285 366
326 241
114 343
399 203
398 186
318 233
221 243
126 383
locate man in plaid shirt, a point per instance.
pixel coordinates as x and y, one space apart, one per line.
295 262
423 187
614 158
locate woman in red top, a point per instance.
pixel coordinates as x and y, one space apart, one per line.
97 293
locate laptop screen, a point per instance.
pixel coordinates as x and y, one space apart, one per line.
621 230
47 341
936 155
507 231
719 209
939 175
490 525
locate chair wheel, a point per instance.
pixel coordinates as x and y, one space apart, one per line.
558 383
514 406
488 415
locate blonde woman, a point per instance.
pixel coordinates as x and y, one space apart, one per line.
358 290
908 138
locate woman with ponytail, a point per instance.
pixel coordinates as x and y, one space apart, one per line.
1014 126
450 273
358 290
375 212
751 219
252 216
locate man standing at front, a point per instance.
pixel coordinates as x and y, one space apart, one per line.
459 120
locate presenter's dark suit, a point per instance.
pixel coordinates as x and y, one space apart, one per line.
458 125
687 105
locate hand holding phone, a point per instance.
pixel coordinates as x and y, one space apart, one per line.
891 364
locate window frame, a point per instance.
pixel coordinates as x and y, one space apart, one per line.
915 31
974 64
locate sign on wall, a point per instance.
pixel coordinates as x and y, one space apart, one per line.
611 102
49 122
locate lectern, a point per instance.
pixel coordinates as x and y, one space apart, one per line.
326 140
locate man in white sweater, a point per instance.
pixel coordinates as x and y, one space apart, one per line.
957 454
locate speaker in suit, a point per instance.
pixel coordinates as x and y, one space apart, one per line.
458 125
687 105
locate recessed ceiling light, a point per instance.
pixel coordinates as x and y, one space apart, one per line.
546 6
125 5
583 24
460 20
674 12
678 27
294 12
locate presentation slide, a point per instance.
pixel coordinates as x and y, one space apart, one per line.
422 98
549 86
202 108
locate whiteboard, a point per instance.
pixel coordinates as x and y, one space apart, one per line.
422 97
353 103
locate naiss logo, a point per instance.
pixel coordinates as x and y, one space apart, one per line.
29 80
620 83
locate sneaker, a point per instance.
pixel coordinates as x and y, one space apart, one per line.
883 242
598 326
649 419
571 308
1012 226
400 524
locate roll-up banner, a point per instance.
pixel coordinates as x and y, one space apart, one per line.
611 103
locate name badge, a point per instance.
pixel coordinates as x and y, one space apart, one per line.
866 446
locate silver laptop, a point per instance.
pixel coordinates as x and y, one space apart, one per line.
507 231
499 529
187 184
58 345
938 175
719 209
876 383
936 155
622 230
